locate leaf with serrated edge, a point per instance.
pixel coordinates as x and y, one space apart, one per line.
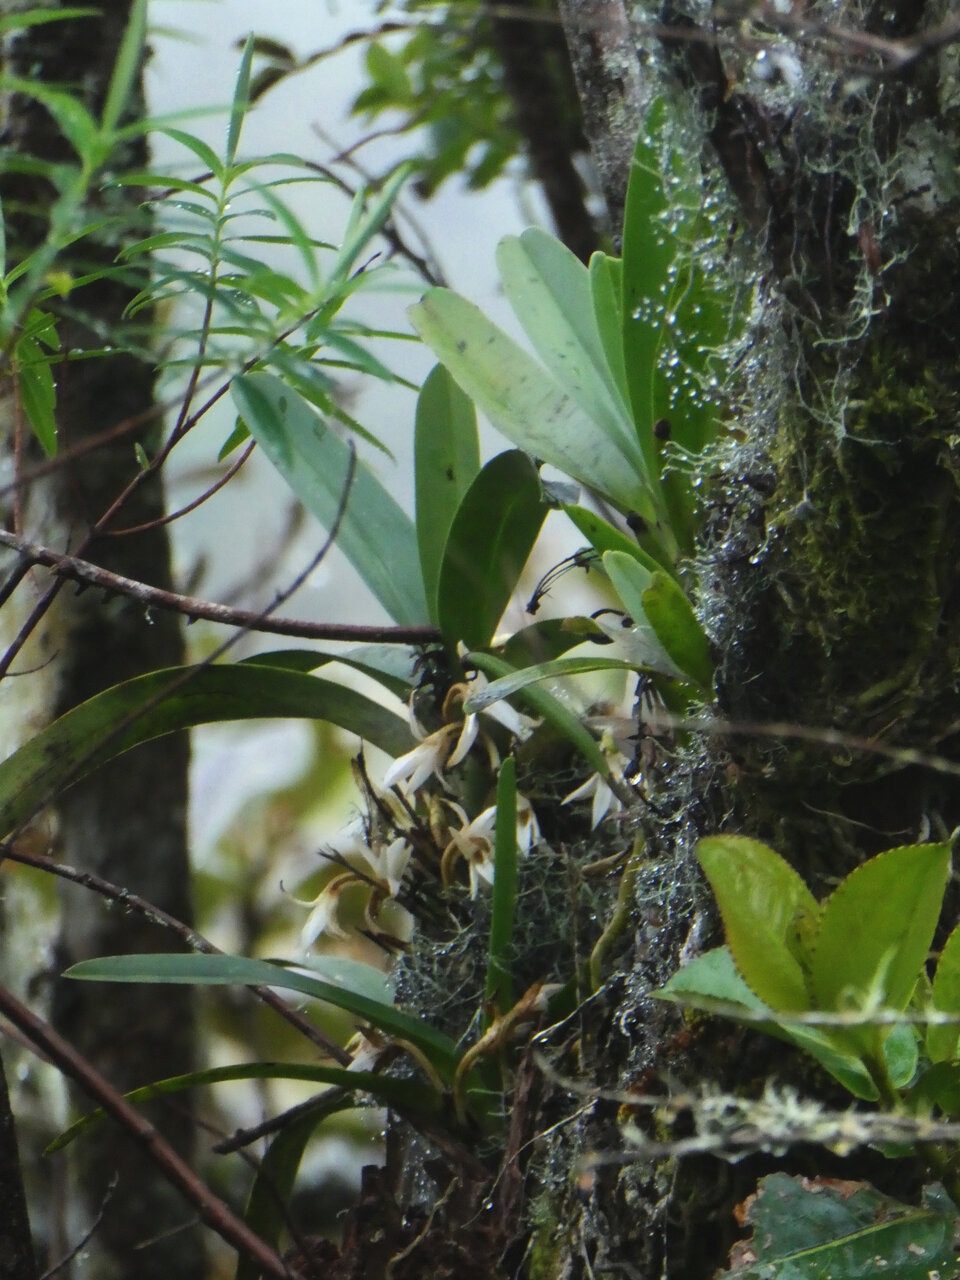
876 929
712 983
942 1039
761 898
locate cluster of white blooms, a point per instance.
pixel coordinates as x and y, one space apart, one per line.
380 871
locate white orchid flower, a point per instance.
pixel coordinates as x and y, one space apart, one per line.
381 874
433 753
474 842
606 803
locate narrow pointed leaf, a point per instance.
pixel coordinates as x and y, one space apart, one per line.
498 990
314 461
126 68
166 701
606 286
220 970
388 1090
559 668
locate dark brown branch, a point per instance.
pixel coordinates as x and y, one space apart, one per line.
211 1208
87 574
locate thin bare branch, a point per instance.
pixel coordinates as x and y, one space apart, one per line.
84 572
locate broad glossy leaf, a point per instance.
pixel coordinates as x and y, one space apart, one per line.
446 462
942 1039
632 580
812 1229
761 900
179 698
939 1086
549 291
493 533
314 461
902 1054
712 983
876 929
220 970
525 402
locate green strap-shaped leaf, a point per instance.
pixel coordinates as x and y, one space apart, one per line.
606 295
525 403
678 629
603 537
544 704
549 291
389 1090
875 932
315 462
219 970
446 461
559 668
179 698
493 533
763 902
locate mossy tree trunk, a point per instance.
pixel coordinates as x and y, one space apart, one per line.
128 822
828 570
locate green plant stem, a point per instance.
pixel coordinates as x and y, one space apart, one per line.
620 917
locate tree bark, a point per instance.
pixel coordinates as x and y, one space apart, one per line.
827 574
127 822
